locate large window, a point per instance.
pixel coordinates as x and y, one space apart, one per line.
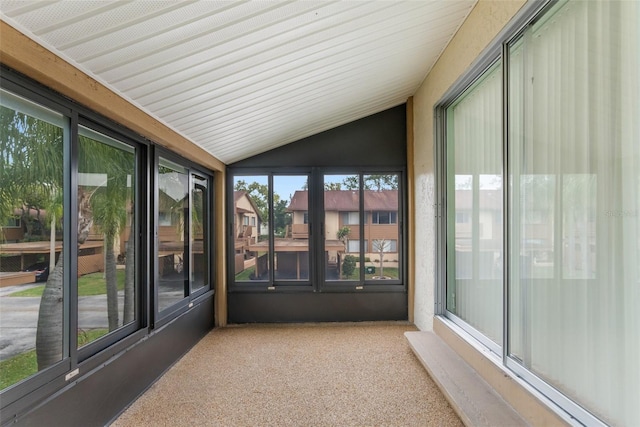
31 264
106 224
572 208
361 208
75 240
474 208
315 230
275 250
182 266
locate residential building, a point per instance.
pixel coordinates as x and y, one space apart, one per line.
341 209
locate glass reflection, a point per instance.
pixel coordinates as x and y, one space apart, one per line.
106 259
31 238
173 210
199 226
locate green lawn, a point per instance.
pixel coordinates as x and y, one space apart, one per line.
89 284
24 365
244 274
388 271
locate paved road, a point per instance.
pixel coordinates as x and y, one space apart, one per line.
19 318
19 315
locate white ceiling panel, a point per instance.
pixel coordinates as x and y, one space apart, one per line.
241 77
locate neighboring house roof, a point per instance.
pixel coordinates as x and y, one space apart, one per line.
237 195
347 200
33 213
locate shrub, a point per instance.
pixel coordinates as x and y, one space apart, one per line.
348 265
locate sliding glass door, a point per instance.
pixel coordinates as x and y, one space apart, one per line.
575 203
563 103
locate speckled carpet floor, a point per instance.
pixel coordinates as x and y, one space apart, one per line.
343 374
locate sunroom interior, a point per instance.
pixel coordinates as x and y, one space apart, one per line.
471 167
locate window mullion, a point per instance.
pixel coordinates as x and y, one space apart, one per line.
506 251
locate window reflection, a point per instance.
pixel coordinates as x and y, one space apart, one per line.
199 234
106 259
173 208
31 238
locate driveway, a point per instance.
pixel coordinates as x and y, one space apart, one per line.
19 318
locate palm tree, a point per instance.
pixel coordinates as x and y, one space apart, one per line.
109 206
31 161
109 213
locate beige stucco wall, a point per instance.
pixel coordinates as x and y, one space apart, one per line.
481 26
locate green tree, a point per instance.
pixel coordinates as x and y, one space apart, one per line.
109 205
377 182
281 218
31 175
332 186
342 233
348 265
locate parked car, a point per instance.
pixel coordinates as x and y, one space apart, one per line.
41 269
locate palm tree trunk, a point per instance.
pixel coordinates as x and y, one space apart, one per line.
129 280
49 336
52 244
112 283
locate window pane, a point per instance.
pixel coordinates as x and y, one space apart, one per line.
381 204
173 244
353 246
575 224
199 264
341 219
107 259
251 243
474 210
290 207
31 265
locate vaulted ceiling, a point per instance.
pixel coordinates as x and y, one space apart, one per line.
241 77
